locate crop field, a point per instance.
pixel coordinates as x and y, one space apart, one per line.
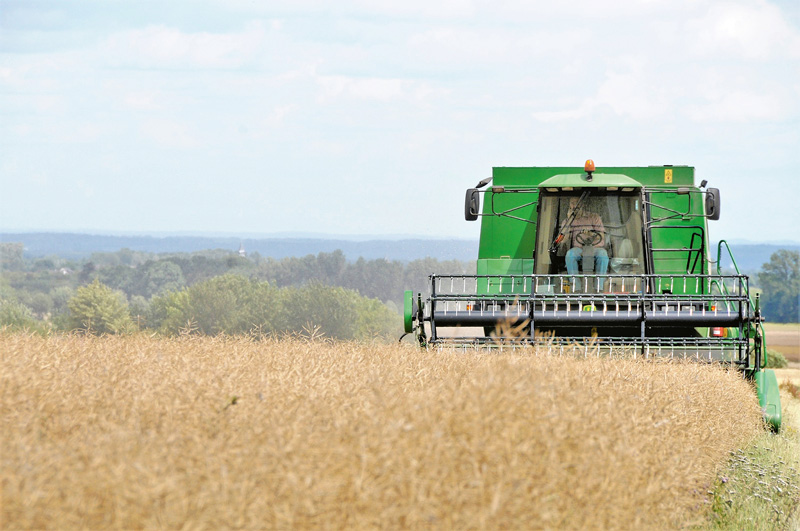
785 338
190 432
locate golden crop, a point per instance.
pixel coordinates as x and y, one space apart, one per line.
134 432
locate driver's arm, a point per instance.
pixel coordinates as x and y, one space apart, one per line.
599 227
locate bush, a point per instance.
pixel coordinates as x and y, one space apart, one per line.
234 304
229 304
99 309
377 320
333 310
16 316
60 297
775 359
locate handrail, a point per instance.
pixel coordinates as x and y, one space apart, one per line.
730 255
747 293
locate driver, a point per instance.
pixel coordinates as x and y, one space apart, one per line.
586 229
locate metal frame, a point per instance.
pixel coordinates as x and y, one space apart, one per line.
505 213
675 214
643 301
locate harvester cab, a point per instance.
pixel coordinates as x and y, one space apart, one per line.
617 258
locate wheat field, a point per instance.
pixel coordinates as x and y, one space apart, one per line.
141 432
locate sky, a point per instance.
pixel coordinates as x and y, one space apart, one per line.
373 118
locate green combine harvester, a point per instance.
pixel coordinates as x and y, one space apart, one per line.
616 259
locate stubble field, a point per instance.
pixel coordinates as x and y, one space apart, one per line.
785 338
132 432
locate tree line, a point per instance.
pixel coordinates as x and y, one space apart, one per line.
211 292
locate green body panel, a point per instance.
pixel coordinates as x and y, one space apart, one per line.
769 397
503 266
504 237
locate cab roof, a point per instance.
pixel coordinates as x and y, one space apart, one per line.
584 180
645 176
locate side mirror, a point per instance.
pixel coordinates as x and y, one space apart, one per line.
712 203
472 204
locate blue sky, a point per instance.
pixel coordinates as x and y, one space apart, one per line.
364 117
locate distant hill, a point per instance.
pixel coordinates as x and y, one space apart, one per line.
750 257
79 246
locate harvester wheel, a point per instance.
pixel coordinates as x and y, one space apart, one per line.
409 311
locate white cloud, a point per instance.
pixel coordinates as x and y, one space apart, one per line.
420 8
165 47
169 133
276 117
476 48
86 132
739 106
40 178
442 9
141 101
742 93
375 89
86 187
576 113
12 77
633 92
754 30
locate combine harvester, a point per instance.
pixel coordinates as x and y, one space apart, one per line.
616 260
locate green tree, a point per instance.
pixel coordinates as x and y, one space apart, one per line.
233 304
780 284
99 309
118 277
11 256
87 272
333 310
377 320
41 304
331 267
230 303
17 316
44 264
61 296
158 276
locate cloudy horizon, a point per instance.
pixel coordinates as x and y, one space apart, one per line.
364 118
